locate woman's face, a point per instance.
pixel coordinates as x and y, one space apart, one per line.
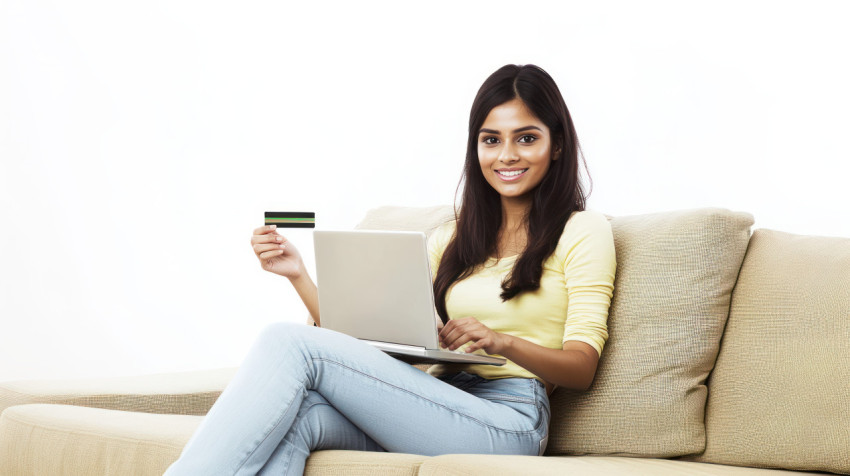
511 138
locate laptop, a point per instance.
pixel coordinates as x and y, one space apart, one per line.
376 285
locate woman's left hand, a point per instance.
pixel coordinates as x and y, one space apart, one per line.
460 331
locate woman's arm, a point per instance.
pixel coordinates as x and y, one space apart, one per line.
573 366
306 288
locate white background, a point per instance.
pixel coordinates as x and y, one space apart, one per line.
142 141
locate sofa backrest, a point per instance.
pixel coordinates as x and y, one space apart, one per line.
424 219
779 395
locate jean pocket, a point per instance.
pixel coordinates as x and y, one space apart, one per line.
504 397
543 443
516 398
519 390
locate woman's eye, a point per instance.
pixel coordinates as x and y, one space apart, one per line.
486 140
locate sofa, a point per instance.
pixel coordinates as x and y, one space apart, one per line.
727 355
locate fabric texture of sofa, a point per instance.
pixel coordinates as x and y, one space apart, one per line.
727 355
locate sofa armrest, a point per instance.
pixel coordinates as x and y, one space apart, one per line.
181 393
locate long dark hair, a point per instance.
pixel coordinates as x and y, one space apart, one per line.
558 195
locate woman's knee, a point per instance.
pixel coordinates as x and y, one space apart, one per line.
283 330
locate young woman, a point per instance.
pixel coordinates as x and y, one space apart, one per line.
523 272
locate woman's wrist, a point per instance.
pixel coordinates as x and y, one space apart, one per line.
507 342
300 273
298 278
308 292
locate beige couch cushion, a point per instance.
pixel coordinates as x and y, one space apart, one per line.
424 219
42 438
486 465
70 440
675 275
48 439
779 395
362 463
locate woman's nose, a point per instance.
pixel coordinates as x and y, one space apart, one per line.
507 153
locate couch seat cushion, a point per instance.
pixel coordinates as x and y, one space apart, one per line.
362 463
486 465
43 438
53 439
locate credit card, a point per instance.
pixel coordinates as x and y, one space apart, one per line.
291 219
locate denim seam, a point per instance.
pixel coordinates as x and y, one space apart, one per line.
510 398
291 444
540 409
290 451
276 423
296 421
428 400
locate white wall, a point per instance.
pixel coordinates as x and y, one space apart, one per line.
142 141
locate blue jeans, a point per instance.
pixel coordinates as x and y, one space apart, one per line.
303 388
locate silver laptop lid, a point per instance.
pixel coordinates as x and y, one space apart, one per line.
376 285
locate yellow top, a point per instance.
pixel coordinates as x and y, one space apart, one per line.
572 302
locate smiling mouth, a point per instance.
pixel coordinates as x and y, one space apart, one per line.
511 176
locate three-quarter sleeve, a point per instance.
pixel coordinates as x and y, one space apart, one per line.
589 270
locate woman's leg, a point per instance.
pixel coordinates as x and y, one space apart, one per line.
318 426
401 408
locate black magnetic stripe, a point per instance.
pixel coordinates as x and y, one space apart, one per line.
290 215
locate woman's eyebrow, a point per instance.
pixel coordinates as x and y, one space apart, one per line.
491 131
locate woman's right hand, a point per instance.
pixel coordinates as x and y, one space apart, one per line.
276 254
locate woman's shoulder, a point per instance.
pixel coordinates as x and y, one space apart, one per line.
585 230
587 249
582 222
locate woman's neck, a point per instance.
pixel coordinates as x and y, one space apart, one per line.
513 214
511 242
